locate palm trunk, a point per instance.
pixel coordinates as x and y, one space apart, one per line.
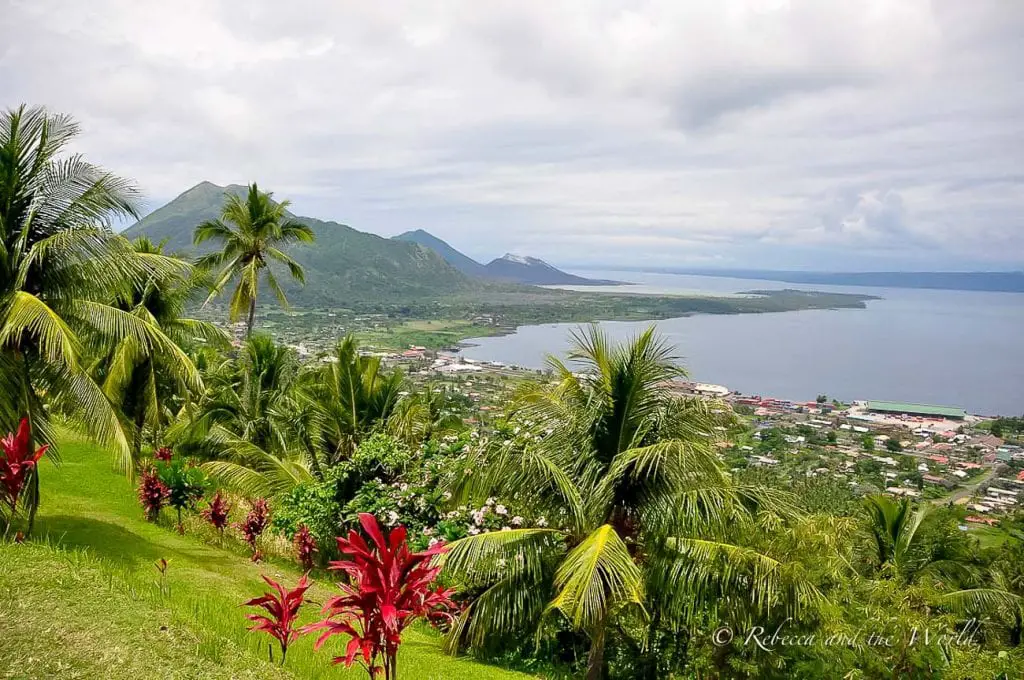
595 657
252 316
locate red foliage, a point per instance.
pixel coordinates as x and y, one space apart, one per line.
255 522
389 587
163 454
217 511
17 460
283 606
153 493
305 547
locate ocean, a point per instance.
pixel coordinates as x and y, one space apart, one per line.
953 348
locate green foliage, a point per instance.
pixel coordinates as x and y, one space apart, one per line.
185 484
893 445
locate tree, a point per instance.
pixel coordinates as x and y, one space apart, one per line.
350 398
61 269
251 232
145 381
247 422
893 445
639 506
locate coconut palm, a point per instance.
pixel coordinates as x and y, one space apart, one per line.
247 421
423 415
350 397
61 267
143 381
251 232
638 507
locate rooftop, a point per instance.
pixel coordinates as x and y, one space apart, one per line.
916 409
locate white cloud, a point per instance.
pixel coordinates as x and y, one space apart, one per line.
748 132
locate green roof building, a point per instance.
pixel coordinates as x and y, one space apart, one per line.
927 410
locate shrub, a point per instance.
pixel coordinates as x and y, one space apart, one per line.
254 525
185 484
282 605
305 547
17 462
153 493
389 588
216 513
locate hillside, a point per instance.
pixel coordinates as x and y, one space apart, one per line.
531 270
463 263
508 268
344 264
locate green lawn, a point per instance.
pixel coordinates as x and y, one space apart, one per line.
82 600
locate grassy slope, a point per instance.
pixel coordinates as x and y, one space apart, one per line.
101 614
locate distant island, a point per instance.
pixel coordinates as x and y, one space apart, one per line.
998 282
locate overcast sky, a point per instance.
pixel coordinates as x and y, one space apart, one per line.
824 134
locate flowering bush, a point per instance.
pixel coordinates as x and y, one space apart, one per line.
254 525
389 587
153 493
17 462
283 607
305 547
216 513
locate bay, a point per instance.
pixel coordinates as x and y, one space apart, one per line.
954 348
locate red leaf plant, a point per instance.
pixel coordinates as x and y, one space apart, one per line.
305 547
163 454
153 493
282 605
17 461
216 513
389 587
255 522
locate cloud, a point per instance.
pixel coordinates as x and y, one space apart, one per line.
749 132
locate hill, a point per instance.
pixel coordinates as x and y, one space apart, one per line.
531 270
344 264
463 263
508 268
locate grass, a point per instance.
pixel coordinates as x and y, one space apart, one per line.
82 600
429 333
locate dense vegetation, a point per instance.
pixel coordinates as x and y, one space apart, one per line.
591 530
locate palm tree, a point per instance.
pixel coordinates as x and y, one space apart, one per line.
251 232
350 397
246 424
638 505
61 268
423 415
142 381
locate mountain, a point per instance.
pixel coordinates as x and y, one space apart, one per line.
520 269
344 263
509 268
463 263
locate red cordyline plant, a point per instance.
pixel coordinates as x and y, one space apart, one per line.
305 547
163 454
17 461
389 587
153 493
216 513
283 607
255 522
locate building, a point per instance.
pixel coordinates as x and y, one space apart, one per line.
925 410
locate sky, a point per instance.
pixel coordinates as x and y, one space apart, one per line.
790 134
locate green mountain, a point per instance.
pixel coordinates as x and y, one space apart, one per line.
343 265
463 263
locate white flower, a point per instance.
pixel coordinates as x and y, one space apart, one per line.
432 543
404 487
453 514
541 522
472 531
478 518
447 495
501 510
506 528
392 518
428 531
517 521
491 501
